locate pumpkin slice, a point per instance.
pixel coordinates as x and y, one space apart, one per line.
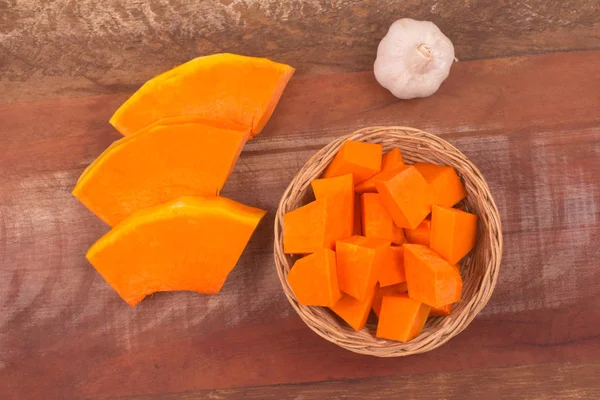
193 119
159 164
230 87
191 243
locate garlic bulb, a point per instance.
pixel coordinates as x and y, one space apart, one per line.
413 59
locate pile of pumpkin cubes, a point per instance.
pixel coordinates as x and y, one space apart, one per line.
383 236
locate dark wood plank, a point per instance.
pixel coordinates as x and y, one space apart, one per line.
65 334
68 49
531 382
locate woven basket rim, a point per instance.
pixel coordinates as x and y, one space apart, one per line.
481 266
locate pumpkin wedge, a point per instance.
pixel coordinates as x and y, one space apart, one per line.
159 164
191 243
230 87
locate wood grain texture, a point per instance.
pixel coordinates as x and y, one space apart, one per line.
531 382
62 48
532 126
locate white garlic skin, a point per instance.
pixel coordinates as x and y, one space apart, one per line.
413 59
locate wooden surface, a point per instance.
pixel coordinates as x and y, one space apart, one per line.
530 122
65 48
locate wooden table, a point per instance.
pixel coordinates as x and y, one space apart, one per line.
523 103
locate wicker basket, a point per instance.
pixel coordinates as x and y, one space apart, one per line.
479 268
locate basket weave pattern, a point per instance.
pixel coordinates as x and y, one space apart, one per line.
479 268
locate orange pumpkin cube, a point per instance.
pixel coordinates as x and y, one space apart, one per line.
445 183
453 233
326 187
390 160
377 222
421 234
392 271
355 312
406 196
304 229
360 159
401 318
386 291
359 261
342 187
431 279
443 311
318 224
314 279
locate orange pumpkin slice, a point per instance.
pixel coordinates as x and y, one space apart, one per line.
230 87
191 243
159 164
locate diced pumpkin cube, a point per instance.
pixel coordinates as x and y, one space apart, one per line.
392 271
443 311
430 279
390 160
314 279
453 233
406 196
355 312
359 261
421 234
386 291
360 159
377 222
401 318
342 187
447 187
305 228
316 225
327 187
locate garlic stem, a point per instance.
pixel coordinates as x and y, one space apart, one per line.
425 51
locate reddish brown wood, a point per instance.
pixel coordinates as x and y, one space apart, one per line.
531 382
530 123
65 49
